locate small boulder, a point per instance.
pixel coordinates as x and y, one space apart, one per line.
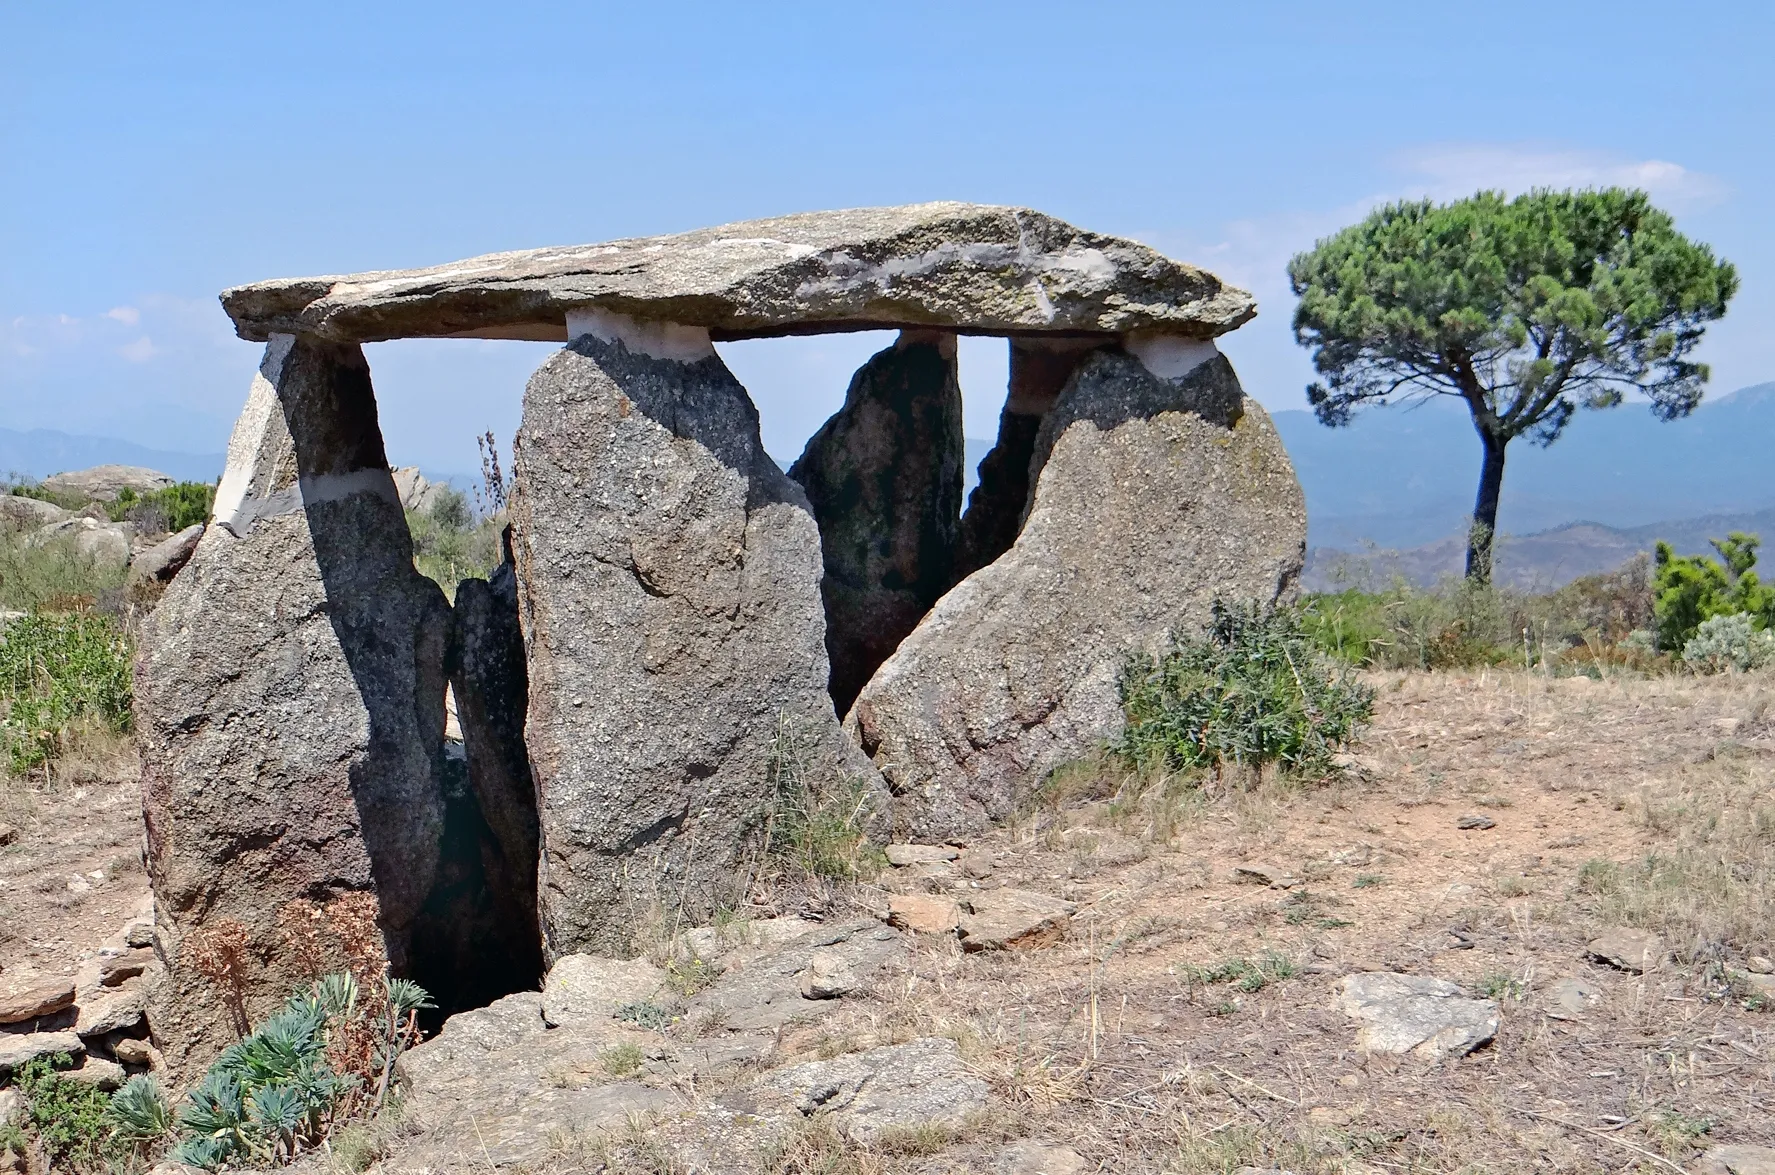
1013 919
584 989
105 1010
105 545
1737 1160
96 1072
903 855
829 975
920 1083
20 1048
1031 1156
139 934
1763 986
923 913
132 1051
1427 1018
1474 822
18 512
104 482
30 997
114 970
1756 964
1628 950
1570 997
165 559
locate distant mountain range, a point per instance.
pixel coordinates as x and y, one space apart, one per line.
41 451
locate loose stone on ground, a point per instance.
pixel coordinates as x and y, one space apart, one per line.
1427 1018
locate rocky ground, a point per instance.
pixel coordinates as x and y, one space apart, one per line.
1454 958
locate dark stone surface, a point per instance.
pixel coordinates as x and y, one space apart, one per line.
884 476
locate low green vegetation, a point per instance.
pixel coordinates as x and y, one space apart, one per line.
1253 690
54 575
327 1058
816 824
1654 615
60 672
162 511
451 543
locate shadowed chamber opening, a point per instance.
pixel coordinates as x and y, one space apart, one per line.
478 936
889 468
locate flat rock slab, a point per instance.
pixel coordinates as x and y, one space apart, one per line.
1571 997
1013 919
992 269
1737 1160
30 997
1412 1014
1031 1156
19 1048
903 855
923 913
584 988
921 1083
765 994
1627 950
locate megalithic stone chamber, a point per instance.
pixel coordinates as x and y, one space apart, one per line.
676 602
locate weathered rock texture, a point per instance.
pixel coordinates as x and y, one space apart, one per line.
1152 497
884 476
669 580
989 269
289 696
1039 369
105 482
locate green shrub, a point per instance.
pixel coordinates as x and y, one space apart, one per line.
57 670
171 509
67 1118
1252 690
1729 642
327 1056
1691 589
450 544
53 575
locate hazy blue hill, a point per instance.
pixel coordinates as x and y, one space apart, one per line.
41 452
1405 477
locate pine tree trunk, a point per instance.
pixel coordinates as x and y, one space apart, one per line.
1485 510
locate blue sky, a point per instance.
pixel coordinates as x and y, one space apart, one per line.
155 154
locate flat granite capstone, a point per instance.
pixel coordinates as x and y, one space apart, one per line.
974 267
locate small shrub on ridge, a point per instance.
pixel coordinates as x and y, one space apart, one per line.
1252 690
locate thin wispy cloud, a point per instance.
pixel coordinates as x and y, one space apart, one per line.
128 315
1448 171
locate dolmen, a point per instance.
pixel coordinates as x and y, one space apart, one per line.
682 630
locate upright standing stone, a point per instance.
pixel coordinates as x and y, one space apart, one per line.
669 580
289 697
1039 368
1154 494
884 475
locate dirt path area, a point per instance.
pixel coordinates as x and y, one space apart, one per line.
1490 827
1190 1021
71 874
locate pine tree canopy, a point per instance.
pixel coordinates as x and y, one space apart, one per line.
1525 309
